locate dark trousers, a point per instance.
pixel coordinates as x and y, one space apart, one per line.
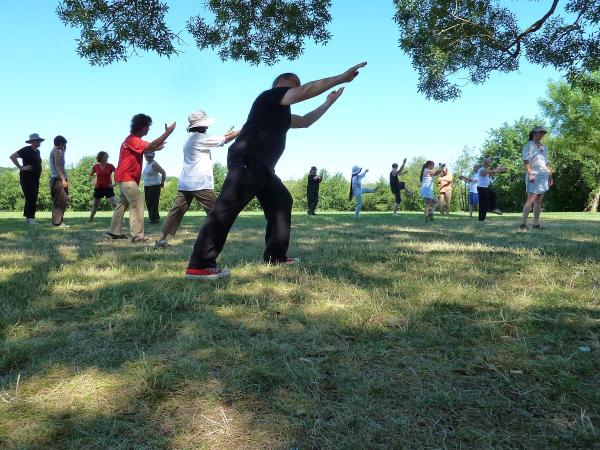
487 201
30 184
244 181
313 200
152 194
60 200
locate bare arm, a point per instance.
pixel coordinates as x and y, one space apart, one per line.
159 143
399 171
307 120
157 168
314 88
91 177
14 158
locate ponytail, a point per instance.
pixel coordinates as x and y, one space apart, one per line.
350 194
423 170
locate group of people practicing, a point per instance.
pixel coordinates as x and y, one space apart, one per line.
251 162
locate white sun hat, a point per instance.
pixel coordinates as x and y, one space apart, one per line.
199 119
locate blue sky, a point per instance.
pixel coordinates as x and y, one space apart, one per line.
48 89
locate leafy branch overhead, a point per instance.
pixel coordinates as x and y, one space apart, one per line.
450 42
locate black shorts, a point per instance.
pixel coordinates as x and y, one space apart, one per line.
396 191
104 192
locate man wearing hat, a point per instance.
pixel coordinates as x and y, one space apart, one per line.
251 162
30 171
538 176
196 180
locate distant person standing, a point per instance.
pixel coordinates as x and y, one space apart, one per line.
128 175
445 188
396 185
538 176
104 186
473 195
196 181
430 203
59 185
356 189
487 197
29 174
154 180
312 190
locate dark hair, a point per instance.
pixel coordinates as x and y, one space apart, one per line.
286 76
313 168
423 170
140 121
59 140
394 165
198 129
100 155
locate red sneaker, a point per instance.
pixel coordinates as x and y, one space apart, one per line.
207 274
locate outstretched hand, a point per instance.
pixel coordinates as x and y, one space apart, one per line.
352 72
334 95
169 128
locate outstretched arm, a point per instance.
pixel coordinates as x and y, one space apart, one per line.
314 88
307 120
159 143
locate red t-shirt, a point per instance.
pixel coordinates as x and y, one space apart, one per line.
103 175
130 160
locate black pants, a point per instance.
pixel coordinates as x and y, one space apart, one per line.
245 180
30 184
487 201
152 194
313 201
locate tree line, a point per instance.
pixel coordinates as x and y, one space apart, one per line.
572 115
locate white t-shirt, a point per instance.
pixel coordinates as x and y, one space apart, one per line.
427 181
197 171
150 176
537 156
482 180
473 184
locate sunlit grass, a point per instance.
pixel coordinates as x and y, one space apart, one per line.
390 334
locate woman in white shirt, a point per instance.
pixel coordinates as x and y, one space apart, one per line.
154 180
487 197
473 195
356 189
430 203
538 178
196 179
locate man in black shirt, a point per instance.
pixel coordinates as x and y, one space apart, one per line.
251 162
396 185
29 174
312 190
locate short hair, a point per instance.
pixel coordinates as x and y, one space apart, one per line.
100 155
140 121
59 140
394 165
286 76
313 168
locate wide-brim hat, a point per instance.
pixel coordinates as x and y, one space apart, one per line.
356 170
539 130
34 137
199 119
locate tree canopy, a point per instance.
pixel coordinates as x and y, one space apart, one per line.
450 42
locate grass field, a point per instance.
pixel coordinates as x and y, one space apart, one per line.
391 334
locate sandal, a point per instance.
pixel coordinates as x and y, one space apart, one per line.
524 227
538 227
139 239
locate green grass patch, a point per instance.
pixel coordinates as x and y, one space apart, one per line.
391 334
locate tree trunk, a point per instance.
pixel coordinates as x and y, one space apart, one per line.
593 200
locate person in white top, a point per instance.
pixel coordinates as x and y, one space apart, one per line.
356 189
154 180
430 203
473 196
487 197
538 178
196 180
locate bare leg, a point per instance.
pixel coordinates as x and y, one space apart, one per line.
528 207
435 205
95 208
537 209
113 202
396 208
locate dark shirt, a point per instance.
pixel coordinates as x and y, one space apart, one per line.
395 184
262 138
31 158
312 187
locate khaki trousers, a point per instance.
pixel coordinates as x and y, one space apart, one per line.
130 199
60 200
183 201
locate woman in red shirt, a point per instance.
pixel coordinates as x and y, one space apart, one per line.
104 183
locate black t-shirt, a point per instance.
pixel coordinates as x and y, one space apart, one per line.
262 138
31 158
395 184
312 187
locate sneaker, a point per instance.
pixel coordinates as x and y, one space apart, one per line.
109 235
524 227
62 225
30 221
288 261
161 244
141 238
207 274
497 211
538 227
